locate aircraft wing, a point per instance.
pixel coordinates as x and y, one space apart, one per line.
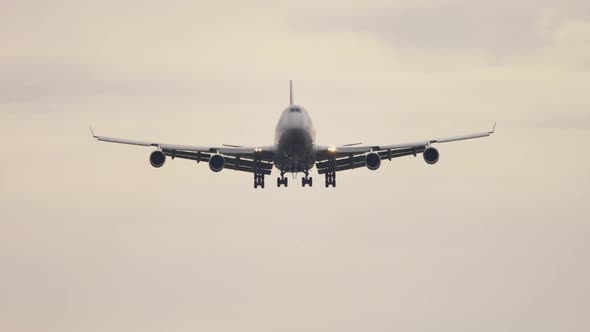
340 158
239 158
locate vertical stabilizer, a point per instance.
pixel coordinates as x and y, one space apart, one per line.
291 92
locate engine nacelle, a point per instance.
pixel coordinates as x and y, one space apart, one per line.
216 163
431 156
373 161
157 159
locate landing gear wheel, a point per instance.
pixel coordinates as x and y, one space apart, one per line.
282 181
331 179
258 180
306 181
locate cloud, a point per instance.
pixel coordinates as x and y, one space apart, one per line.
459 26
30 79
561 121
41 79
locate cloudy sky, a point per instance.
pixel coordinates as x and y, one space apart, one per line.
495 237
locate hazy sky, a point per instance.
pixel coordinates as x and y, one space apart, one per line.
495 237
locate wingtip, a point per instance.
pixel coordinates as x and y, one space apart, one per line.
493 128
92 132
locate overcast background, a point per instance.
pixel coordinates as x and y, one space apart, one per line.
495 237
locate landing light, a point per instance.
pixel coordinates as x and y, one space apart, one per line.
257 150
332 149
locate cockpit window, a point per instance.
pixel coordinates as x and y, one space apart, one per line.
295 109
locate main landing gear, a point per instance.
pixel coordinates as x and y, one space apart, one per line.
306 180
331 179
282 180
258 176
258 180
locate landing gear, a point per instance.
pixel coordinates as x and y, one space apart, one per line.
258 180
306 180
282 180
258 176
331 179
331 174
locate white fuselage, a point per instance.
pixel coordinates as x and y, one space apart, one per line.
295 139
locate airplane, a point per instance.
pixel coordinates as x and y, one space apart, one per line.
294 151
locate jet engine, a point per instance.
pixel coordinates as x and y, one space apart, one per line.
373 161
216 163
431 156
157 159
